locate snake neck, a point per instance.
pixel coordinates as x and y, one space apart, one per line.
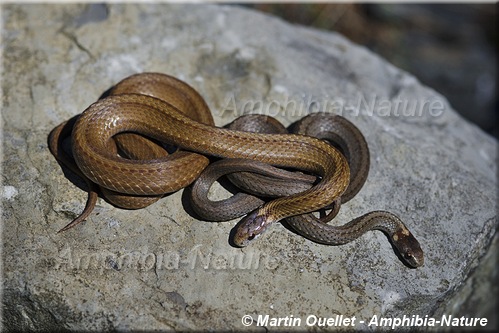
405 243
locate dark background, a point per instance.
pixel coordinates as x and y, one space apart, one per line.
448 47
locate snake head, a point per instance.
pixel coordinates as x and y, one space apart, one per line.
408 247
250 228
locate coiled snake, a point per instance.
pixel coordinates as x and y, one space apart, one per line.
118 147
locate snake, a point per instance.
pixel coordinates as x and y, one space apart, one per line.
152 135
259 181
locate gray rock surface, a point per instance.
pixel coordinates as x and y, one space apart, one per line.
160 268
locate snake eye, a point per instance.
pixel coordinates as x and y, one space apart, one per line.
251 237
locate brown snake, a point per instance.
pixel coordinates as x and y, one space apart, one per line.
168 111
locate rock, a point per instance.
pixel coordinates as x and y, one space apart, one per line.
159 267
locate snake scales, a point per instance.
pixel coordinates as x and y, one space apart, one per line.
118 146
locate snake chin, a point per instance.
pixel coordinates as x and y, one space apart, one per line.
250 228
